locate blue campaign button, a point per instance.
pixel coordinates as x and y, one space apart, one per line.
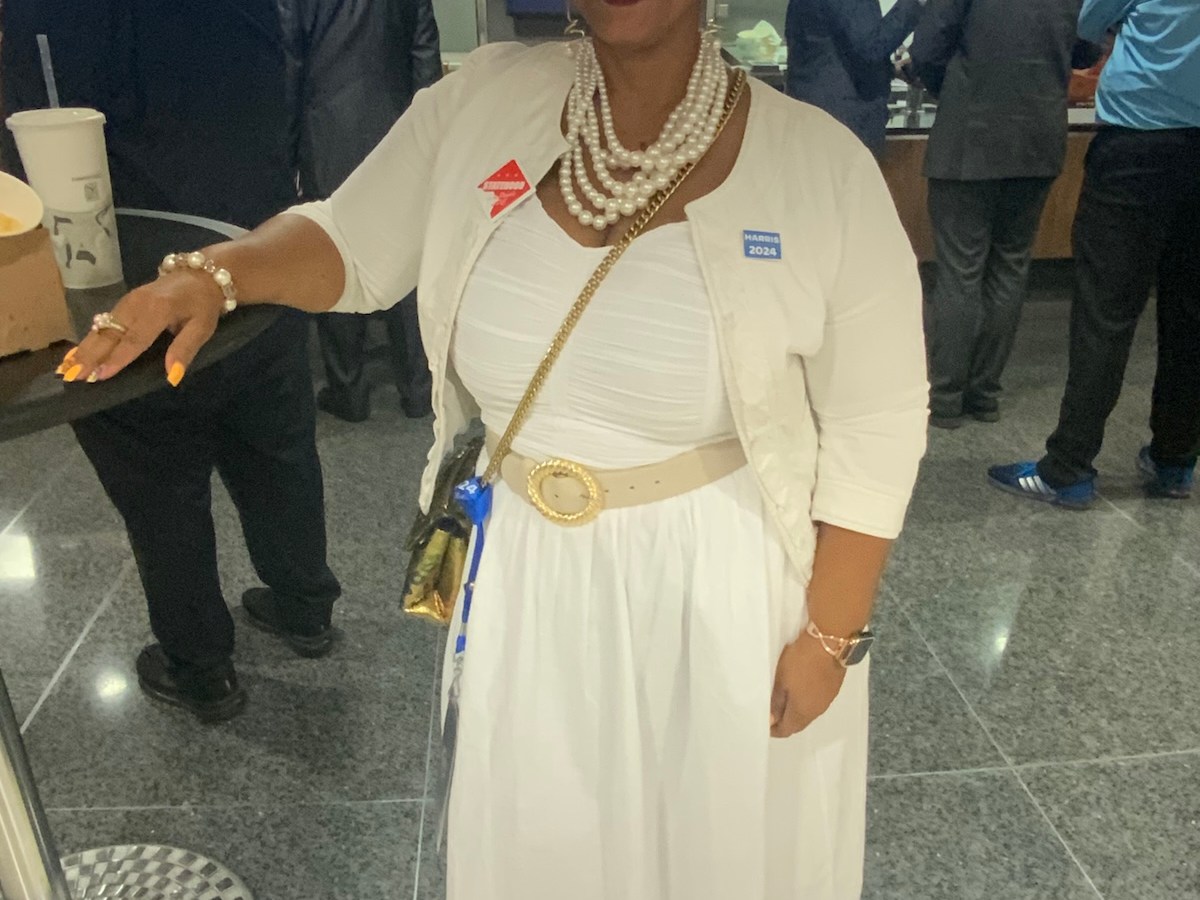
762 245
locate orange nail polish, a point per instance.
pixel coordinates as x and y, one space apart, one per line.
67 360
93 378
72 373
176 374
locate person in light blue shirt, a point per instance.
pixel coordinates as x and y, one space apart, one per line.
1153 79
1138 219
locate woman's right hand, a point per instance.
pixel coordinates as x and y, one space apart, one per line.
188 304
288 260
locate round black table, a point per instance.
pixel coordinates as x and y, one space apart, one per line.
32 398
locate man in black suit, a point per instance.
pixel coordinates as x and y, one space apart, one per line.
363 62
1000 69
201 120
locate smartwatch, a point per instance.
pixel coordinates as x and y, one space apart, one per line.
849 651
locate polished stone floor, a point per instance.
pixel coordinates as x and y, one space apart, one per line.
1036 693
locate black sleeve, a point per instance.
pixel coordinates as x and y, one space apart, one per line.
936 41
426 47
1085 54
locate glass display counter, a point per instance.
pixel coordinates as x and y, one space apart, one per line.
912 112
752 31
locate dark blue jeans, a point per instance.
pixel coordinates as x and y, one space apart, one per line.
1139 217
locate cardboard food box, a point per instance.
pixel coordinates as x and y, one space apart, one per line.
33 305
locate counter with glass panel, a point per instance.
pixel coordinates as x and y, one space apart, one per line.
912 118
753 32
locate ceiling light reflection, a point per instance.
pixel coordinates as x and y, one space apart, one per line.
111 685
1001 643
16 559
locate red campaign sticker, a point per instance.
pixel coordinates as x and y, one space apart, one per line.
508 184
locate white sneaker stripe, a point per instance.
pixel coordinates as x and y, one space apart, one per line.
1034 483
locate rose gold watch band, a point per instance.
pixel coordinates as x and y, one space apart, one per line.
839 648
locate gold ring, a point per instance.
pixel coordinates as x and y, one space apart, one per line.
565 469
105 322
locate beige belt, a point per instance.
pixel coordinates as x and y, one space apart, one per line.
570 494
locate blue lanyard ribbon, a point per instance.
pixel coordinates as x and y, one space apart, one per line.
475 497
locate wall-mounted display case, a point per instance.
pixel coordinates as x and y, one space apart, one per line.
752 31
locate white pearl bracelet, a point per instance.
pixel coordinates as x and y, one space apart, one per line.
174 262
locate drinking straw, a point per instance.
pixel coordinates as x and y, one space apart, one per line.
48 70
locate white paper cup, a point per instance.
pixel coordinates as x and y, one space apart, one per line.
66 161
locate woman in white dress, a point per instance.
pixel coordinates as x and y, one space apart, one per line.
668 702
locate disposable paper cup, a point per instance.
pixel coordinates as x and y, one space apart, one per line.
65 158
20 203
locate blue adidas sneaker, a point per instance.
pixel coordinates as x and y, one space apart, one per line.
1023 480
1169 482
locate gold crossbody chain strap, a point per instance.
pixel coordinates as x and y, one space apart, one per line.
593 284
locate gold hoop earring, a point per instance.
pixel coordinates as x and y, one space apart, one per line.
574 28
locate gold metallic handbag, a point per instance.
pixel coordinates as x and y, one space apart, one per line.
440 539
438 542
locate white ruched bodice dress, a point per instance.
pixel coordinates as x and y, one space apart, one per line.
614 728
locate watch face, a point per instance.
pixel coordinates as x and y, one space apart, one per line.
861 648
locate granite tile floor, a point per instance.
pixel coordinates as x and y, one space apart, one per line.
1036 690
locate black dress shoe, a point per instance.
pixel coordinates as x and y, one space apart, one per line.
417 409
311 640
947 423
211 694
337 405
983 409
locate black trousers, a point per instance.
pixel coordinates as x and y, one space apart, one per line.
984 233
1139 216
343 349
252 418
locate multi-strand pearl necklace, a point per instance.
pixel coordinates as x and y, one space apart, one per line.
689 132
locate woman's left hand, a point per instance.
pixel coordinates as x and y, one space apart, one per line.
807 680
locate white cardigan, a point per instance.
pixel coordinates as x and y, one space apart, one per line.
822 349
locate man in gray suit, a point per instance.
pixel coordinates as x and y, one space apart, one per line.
1000 69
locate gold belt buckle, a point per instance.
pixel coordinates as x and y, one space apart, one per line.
562 468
